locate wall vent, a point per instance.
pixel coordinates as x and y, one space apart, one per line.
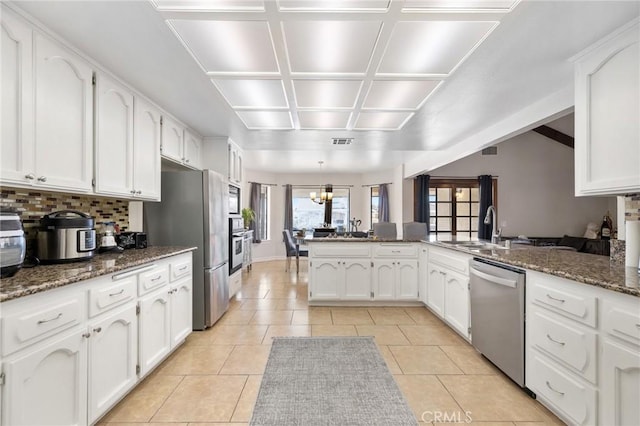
492 150
342 141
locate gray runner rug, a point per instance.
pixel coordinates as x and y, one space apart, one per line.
329 381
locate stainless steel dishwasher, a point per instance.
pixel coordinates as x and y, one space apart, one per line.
497 315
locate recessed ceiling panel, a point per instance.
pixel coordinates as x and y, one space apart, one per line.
229 46
413 5
266 119
382 120
323 119
212 5
326 93
431 47
330 47
325 5
398 94
253 93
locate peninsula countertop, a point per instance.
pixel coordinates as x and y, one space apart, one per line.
46 277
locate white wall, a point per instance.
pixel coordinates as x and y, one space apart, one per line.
535 187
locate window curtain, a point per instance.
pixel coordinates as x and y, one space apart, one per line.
486 191
254 204
288 207
383 193
421 208
328 206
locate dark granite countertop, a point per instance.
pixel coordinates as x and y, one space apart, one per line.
581 267
357 240
46 277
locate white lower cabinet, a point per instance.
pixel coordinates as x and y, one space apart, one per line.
336 279
620 387
456 302
435 289
181 310
357 279
113 356
395 280
155 330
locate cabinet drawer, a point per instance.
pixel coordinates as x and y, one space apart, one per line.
111 294
180 267
153 279
622 319
395 250
576 306
575 400
450 259
39 321
572 346
340 250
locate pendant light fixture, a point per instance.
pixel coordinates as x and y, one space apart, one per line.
324 195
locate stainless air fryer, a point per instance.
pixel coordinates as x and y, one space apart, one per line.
66 236
12 243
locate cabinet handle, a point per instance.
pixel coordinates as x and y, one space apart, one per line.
50 319
183 268
86 335
156 278
30 176
553 298
395 251
98 329
556 391
42 179
555 341
138 192
133 191
116 293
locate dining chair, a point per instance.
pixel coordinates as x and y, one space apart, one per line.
292 250
414 231
385 230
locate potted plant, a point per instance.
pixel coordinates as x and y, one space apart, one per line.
248 215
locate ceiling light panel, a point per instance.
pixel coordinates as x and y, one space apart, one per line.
210 5
326 93
431 47
323 119
229 47
330 47
413 5
253 93
272 120
382 120
398 94
326 5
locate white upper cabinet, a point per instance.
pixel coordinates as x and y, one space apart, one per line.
146 150
192 149
607 144
172 139
16 159
63 117
235 163
114 138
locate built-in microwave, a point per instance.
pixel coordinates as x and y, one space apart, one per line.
234 199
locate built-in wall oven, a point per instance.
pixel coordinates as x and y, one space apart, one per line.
236 249
234 200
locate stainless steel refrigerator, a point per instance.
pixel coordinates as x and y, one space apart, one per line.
194 212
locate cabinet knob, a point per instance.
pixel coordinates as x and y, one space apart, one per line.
86 335
97 329
30 176
133 191
138 192
42 179
187 160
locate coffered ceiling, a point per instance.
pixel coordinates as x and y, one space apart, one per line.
319 65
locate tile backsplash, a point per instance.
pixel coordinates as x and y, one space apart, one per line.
632 207
33 204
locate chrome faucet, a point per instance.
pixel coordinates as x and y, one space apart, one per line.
492 217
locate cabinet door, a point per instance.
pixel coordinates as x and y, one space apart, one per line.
620 391
357 279
423 274
607 152
456 302
63 118
113 355
327 277
181 311
154 341
192 150
384 279
239 167
435 289
16 155
114 138
49 385
407 280
172 140
146 150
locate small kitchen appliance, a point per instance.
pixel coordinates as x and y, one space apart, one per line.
12 243
132 240
108 238
66 236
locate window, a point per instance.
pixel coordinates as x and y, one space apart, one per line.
309 215
375 203
454 206
265 207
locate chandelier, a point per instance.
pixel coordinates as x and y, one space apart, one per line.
324 195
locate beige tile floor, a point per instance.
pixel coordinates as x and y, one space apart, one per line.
213 379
